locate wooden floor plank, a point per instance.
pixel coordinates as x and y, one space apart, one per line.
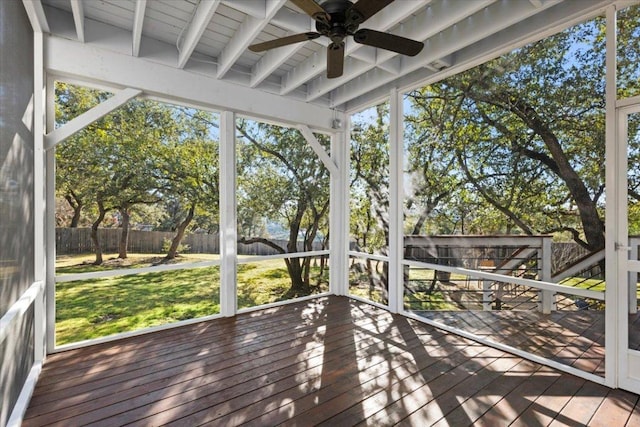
333 361
615 410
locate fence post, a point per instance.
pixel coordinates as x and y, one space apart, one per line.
547 302
486 295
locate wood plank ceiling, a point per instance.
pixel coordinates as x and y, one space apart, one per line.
211 37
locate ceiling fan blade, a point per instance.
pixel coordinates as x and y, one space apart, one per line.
401 45
365 9
335 60
312 9
283 41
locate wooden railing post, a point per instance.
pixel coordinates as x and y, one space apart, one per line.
547 302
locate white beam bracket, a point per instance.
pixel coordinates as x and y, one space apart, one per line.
319 150
85 119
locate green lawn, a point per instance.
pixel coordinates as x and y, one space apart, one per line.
87 309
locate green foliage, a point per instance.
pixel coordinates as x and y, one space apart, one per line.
144 153
369 180
515 145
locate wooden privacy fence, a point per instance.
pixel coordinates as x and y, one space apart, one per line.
71 241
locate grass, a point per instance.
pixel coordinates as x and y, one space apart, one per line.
87 309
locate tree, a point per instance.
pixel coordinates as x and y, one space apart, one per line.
282 180
526 133
369 181
189 173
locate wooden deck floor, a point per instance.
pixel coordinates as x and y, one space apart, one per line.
330 361
573 338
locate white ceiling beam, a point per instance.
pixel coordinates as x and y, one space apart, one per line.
473 29
292 21
203 14
244 36
254 8
271 61
381 21
138 20
430 22
77 8
109 68
36 15
85 119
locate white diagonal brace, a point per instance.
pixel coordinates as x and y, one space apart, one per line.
245 34
381 21
77 8
85 119
36 15
430 22
326 159
203 14
138 20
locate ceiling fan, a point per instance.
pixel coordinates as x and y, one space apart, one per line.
338 19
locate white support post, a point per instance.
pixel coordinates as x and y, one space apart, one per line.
50 225
615 174
228 225
339 212
396 194
547 298
39 201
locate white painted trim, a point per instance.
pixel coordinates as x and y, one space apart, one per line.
200 20
370 302
38 130
318 149
257 258
281 303
538 284
396 197
85 119
249 29
626 102
365 255
40 206
19 308
131 271
36 15
136 333
138 21
50 224
613 215
22 404
228 222
507 348
71 59
339 212
77 10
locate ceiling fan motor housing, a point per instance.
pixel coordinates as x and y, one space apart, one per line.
344 20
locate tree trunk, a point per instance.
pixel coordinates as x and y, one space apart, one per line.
77 206
124 235
298 286
175 243
94 232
